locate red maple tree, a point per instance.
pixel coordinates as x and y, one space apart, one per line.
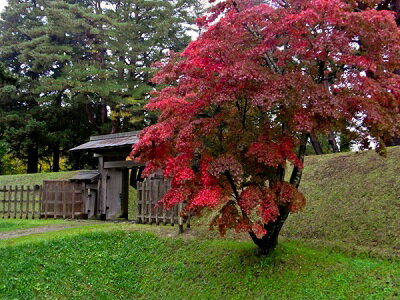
240 103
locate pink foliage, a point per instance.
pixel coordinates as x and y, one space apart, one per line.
239 99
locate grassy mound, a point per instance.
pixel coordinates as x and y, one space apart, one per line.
119 264
353 198
33 179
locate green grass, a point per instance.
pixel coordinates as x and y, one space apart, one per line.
14 224
101 262
33 179
352 199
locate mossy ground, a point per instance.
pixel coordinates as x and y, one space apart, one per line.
113 261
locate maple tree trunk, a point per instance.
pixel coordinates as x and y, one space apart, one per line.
332 142
269 241
316 145
393 142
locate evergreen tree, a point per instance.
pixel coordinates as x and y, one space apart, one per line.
85 66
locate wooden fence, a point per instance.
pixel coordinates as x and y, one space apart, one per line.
149 192
62 199
56 199
20 201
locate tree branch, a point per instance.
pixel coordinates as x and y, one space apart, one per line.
295 178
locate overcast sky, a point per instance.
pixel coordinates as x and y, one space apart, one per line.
2 4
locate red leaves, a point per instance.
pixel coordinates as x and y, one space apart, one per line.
274 153
178 169
287 193
209 196
257 79
175 196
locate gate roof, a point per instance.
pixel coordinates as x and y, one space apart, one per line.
86 176
109 141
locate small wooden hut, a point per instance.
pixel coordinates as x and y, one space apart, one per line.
107 189
109 194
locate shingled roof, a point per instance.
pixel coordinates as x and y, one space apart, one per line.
86 176
109 141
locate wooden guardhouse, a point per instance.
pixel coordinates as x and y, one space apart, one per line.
108 195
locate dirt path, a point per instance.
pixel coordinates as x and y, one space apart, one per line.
34 230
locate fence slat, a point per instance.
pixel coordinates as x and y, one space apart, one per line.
64 204
15 201
9 203
39 202
73 203
4 202
46 202
28 191
139 203
21 199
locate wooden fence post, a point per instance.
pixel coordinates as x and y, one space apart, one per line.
4 202
180 219
64 202
41 190
28 191
21 202
15 201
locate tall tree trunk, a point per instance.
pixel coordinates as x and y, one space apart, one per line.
104 113
316 145
115 123
56 157
332 142
33 159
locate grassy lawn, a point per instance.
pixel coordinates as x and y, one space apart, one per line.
106 262
14 224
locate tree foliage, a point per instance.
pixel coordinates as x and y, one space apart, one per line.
243 99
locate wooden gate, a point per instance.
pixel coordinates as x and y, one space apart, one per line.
150 192
63 198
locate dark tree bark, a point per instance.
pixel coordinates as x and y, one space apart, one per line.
103 113
316 145
332 142
268 242
393 142
33 159
115 126
56 157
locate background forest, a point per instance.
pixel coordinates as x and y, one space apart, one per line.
72 69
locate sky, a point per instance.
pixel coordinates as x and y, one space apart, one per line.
2 4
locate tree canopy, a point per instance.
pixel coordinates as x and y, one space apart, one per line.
242 100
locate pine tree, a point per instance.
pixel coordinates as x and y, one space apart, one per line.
89 57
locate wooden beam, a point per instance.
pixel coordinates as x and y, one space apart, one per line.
122 154
121 164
